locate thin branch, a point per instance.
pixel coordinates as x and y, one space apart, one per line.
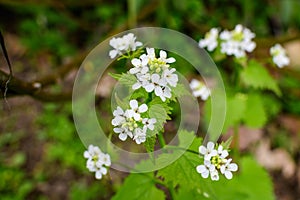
19 87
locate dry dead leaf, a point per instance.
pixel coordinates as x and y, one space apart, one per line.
278 159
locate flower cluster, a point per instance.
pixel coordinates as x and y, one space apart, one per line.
235 42
97 161
154 74
130 123
199 89
210 40
215 160
123 44
279 56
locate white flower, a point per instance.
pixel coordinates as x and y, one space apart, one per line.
139 135
199 89
149 123
150 53
228 168
97 161
210 40
204 169
279 56
164 93
222 152
208 151
155 84
163 57
130 41
119 45
123 44
140 65
136 110
119 117
214 175
169 77
123 133
237 41
215 161
142 81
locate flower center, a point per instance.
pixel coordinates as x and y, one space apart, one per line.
217 161
238 36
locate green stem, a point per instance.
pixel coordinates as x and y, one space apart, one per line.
161 140
132 17
236 140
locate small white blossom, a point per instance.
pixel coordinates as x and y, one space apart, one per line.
214 175
204 169
123 44
119 117
208 151
237 42
140 65
170 77
199 89
163 57
222 152
279 56
123 133
210 40
165 93
136 110
97 161
228 168
214 161
139 135
149 123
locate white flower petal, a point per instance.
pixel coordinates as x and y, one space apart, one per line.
123 136
143 108
201 168
133 104
228 174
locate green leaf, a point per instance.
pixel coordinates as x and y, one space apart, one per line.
255 115
150 143
140 93
158 110
122 104
256 76
252 183
125 78
139 186
179 91
234 110
182 171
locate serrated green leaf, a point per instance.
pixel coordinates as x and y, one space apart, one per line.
255 115
140 93
256 76
115 76
139 186
272 105
186 192
182 171
185 138
125 78
150 143
179 91
160 113
235 110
